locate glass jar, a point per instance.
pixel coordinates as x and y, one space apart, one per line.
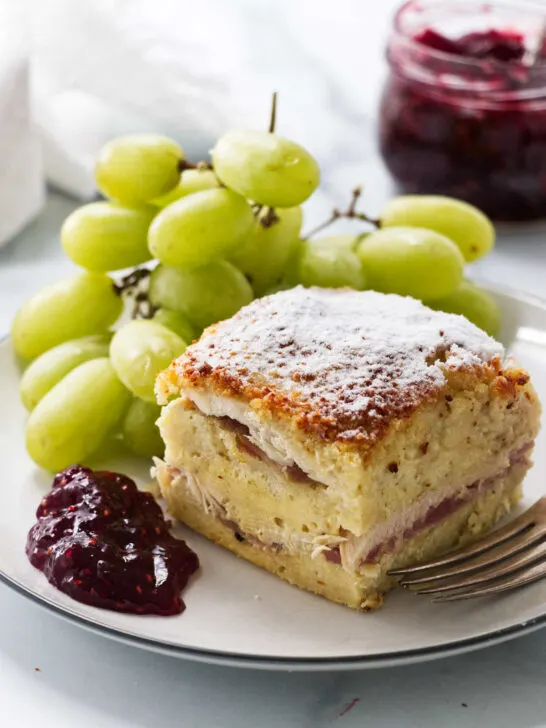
463 112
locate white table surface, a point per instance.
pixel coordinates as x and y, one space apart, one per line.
53 674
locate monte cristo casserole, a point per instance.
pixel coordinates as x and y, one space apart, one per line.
329 436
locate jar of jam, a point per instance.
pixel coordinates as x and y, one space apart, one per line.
463 112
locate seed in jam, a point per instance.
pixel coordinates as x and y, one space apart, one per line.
105 543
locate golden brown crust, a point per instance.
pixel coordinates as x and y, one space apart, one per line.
341 365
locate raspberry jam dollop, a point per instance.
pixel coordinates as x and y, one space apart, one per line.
105 543
463 111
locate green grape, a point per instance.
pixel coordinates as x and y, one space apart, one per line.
139 351
200 228
412 262
104 236
264 254
140 432
74 417
205 295
69 309
49 368
191 180
477 305
331 262
469 228
278 288
290 276
177 322
138 167
265 168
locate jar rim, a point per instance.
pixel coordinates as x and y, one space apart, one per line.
450 5
495 80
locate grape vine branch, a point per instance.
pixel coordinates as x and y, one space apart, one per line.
350 213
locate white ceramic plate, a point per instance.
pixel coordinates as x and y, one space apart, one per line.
239 615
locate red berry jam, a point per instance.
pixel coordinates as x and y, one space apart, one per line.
463 112
105 543
502 46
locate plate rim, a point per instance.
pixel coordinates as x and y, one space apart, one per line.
219 657
310 664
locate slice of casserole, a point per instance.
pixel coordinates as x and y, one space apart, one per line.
331 435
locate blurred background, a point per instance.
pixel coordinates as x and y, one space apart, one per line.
74 74
193 70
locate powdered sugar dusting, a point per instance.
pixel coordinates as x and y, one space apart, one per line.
345 362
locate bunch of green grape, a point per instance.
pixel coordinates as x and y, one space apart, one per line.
210 238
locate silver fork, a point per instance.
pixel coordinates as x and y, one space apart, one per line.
507 558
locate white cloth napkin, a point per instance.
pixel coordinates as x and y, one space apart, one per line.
21 178
74 75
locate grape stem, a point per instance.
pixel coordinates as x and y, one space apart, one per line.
349 213
273 114
269 219
135 285
201 166
143 307
130 281
184 164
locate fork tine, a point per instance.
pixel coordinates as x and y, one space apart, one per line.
512 529
521 578
507 549
491 574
